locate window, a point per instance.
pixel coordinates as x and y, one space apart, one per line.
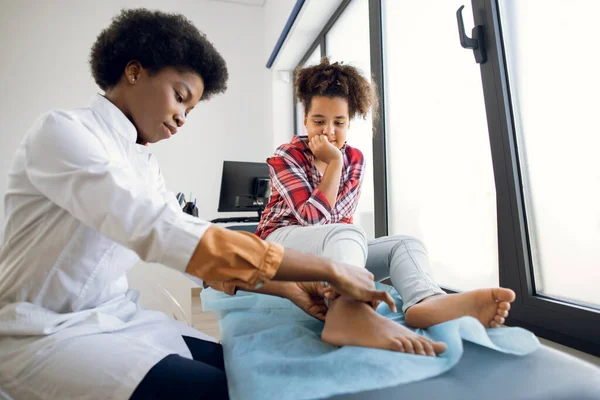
440 178
540 88
555 102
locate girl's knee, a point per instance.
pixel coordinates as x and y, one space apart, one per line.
350 230
347 232
409 243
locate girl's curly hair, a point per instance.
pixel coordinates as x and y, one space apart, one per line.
337 80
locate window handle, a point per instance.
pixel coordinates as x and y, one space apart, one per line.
476 43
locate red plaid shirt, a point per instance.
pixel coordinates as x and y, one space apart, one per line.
295 199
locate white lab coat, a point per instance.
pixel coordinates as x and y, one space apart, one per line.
84 204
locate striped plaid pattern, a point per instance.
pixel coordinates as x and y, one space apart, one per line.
295 199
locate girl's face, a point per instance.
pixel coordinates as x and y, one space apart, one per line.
159 103
328 116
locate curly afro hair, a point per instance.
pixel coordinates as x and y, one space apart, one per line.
157 40
337 80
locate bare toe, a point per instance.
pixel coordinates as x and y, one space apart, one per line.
408 346
439 347
499 319
418 346
396 345
503 295
504 306
502 313
494 324
428 347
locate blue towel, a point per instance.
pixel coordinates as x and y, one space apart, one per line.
273 350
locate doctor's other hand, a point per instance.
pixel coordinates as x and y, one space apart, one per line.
345 279
309 297
358 283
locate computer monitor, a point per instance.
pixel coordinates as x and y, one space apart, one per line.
244 187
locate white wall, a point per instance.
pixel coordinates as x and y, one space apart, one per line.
44 48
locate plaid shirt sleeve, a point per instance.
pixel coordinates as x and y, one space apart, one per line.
349 194
288 177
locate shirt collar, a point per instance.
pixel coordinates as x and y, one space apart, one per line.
300 143
114 117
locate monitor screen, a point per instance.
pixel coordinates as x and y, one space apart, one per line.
244 186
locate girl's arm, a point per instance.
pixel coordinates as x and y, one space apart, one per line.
332 157
349 195
330 184
289 179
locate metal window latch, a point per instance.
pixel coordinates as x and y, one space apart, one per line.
477 43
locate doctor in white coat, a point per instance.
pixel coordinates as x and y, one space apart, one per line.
86 201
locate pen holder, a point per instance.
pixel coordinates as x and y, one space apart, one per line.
187 207
191 209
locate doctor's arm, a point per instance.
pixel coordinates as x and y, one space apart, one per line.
71 167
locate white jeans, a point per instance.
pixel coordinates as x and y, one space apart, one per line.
402 258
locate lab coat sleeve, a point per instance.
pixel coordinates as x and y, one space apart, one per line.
255 261
229 260
70 166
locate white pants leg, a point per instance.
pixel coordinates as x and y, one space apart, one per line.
403 258
340 242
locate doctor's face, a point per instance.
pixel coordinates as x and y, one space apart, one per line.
160 102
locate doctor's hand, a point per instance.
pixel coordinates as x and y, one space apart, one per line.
358 283
308 296
345 279
324 150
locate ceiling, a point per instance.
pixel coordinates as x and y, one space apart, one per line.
313 16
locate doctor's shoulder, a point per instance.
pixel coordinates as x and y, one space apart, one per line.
60 122
61 130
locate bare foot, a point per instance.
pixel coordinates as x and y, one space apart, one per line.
353 323
489 306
